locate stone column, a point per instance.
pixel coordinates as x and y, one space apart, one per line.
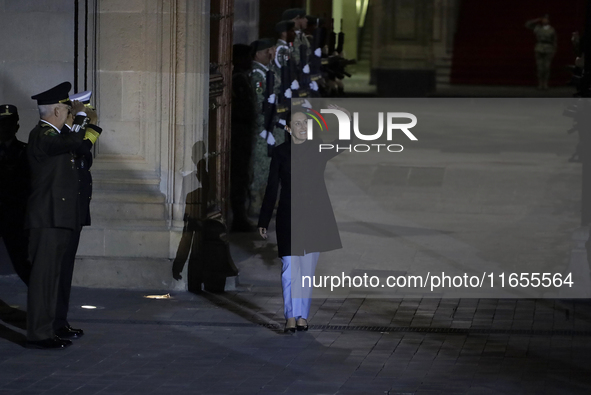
151 90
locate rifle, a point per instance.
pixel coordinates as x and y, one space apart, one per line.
269 109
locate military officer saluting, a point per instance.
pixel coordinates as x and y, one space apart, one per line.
545 47
52 210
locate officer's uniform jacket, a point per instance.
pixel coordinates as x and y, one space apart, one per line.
259 83
258 77
53 202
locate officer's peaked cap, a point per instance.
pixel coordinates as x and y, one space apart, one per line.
57 94
83 97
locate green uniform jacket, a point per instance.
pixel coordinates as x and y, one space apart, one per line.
258 78
53 202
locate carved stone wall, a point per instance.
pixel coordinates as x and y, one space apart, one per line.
151 89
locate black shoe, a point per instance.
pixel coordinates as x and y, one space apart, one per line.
49 344
67 332
290 325
302 324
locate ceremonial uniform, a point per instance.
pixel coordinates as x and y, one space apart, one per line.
53 213
545 49
301 39
283 56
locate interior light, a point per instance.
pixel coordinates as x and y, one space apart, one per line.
88 307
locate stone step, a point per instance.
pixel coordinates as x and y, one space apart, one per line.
155 242
132 211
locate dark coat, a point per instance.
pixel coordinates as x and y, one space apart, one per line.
53 202
304 204
14 182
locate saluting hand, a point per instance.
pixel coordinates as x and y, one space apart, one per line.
77 107
92 115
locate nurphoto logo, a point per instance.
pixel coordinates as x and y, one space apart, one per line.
345 130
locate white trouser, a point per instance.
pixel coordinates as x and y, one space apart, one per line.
297 296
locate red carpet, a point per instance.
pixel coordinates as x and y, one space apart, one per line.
493 47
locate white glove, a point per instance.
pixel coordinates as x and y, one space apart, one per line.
306 104
282 121
318 52
314 86
295 85
270 137
271 98
306 69
287 93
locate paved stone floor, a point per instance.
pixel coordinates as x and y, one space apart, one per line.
233 344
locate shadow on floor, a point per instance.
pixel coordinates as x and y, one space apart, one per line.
14 317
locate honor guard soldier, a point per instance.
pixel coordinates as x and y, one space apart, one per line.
83 161
263 51
14 190
53 210
545 47
298 16
283 55
301 47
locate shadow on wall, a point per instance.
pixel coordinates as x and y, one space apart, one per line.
204 242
